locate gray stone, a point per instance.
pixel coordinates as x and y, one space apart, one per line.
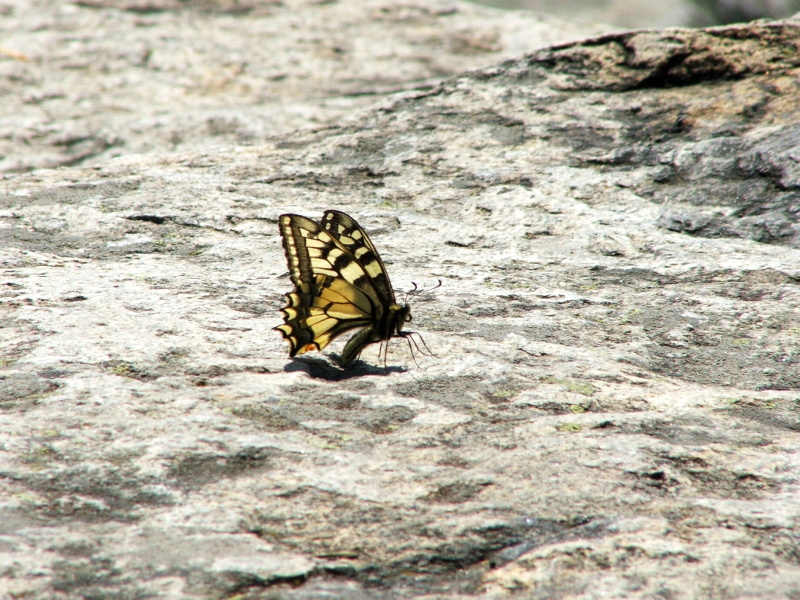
612 408
94 79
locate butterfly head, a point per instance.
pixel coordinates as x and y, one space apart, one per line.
402 315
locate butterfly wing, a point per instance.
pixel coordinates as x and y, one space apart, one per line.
355 239
333 293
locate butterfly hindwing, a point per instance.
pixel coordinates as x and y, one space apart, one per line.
340 284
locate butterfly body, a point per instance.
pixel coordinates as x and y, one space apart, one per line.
340 284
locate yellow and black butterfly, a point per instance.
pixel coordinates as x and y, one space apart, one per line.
340 284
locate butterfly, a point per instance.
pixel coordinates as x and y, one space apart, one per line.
340 284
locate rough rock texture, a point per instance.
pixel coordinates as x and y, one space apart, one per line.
647 14
94 79
613 408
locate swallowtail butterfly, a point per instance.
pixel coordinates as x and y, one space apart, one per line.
340 284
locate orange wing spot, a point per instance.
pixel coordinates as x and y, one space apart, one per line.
310 347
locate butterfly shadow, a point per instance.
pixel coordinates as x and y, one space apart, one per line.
320 368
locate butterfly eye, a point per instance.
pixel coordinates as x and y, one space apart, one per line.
408 318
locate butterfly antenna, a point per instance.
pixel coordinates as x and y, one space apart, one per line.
417 290
410 293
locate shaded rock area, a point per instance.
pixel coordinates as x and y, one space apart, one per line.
614 405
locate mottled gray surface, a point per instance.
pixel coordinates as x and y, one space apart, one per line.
614 405
648 14
90 80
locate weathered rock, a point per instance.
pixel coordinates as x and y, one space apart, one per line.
640 14
613 408
94 79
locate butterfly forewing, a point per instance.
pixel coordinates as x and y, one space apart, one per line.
353 237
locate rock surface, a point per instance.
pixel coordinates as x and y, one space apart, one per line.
94 79
613 408
641 14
